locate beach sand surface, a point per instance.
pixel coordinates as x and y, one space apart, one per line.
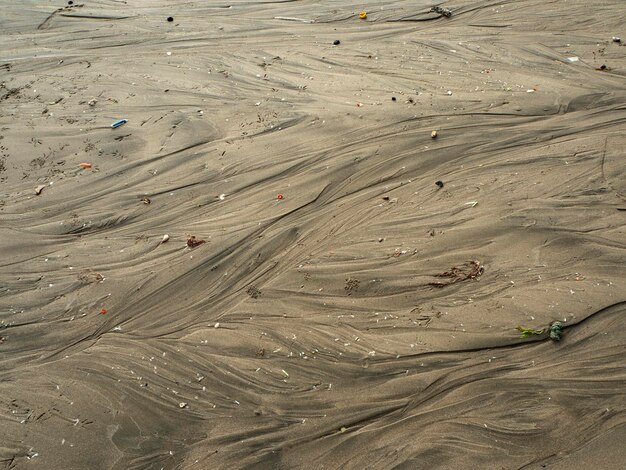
344 310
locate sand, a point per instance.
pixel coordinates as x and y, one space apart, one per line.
345 311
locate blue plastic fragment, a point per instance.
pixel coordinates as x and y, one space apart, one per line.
119 123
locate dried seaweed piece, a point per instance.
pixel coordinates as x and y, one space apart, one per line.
352 284
469 270
193 242
253 292
442 11
88 276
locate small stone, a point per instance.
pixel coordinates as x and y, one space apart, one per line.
182 404
616 39
433 135
336 42
170 19
92 102
439 183
393 98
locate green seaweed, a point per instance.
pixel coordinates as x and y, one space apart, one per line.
528 332
556 330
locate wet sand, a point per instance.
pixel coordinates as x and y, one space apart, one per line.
344 310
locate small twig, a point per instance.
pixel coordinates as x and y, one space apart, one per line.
290 18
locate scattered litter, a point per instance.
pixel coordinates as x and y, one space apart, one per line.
193 242
439 183
39 188
85 165
103 311
92 102
442 11
290 18
165 238
359 105
170 19
146 200
217 325
616 39
471 203
363 15
343 429
168 53
182 404
221 197
280 196
433 135
119 123
285 372
572 59
449 93
528 332
336 42
556 329
531 90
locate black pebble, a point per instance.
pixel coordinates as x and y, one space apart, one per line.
393 98
337 42
439 183
170 19
70 2
603 67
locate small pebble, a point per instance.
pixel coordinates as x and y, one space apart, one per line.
439 183
337 42
170 19
393 98
433 135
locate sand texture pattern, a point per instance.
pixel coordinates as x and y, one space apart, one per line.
273 264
